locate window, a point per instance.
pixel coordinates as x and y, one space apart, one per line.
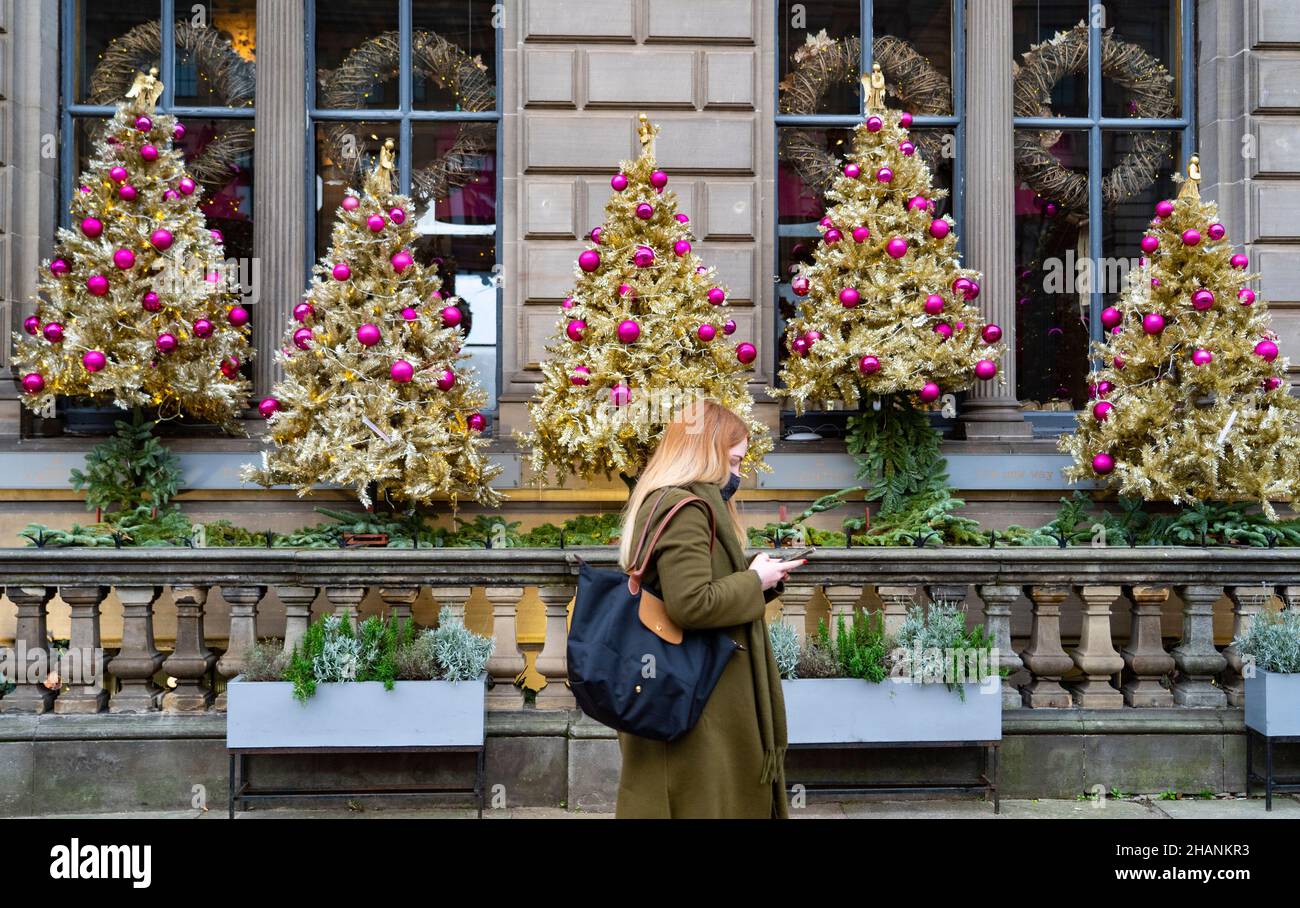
1097 142
425 75
819 102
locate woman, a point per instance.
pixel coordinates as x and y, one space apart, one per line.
731 764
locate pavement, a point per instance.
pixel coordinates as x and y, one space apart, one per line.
1142 807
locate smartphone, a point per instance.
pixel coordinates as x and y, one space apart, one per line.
795 556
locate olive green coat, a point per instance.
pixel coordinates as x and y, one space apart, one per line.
715 769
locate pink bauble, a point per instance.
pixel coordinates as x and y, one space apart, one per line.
596 234
1217 231
905 120
799 346
933 304
124 259
1150 244
868 365
148 153
97 284
644 257
589 260
681 247
401 371
351 203
118 174
1110 317
53 333
717 296
402 261
875 124
861 234
1155 283
852 171
961 285
1153 323
410 314
1164 208
985 369
658 179
1272 383
165 342
143 123
944 330
446 380
929 392
368 334
1104 388
451 317
303 311
884 175
746 353
477 422
178 132
620 395
897 247
907 148
575 329
619 182
729 327
581 376
1267 350
202 327
127 193
568 303
1246 296
341 272
991 334
1103 464
628 331
682 219
397 215
972 292
645 211
812 337
59 267
238 316
92 227
800 285
832 236
1202 300
1049 210
849 297
706 332
268 407
1191 237
1118 362
1101 409
31 324
161 239
33 383
826 222
939 228
186 186
171 195
151 302
625 289
302 338
375 222
1239 261
918 203
94 360
1202 357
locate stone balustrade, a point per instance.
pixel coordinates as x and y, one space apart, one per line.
1121 628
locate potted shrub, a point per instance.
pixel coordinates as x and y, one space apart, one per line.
1271 651
385 685
935 681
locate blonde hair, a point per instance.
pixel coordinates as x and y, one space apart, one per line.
695 448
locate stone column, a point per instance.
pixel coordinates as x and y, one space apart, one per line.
1044 655
31 664
398 601
1095 655
86 693
297 612
794 609
992 409
553 661
243 631
138 660
842 600
1247 602
346 601
1197 659
997 619
279 195
191 660
1144 654
896 601
491 610
1291 598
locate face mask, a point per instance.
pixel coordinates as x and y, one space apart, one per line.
733 483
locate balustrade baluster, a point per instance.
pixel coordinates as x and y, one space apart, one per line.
83 666
1095 655
553 660
997 622
1197 659
1247 602
297 612
1044 656
1144 655
138 659
31 664
190 660
243 632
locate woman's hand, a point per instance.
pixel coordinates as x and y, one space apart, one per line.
772 571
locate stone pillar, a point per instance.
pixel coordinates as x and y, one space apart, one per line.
1197 659
398 601
191 660
842 600
453 598
1247 602
491 610
279 195
1291 598
138 660
1044 655
346 601
794 609
1144 654
997 620
87 692
992 410
1095 655
896 601
31 664
297 612
553 661
243 631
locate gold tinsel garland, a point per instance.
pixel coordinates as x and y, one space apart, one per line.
1145 78
823 61
373 61
232 77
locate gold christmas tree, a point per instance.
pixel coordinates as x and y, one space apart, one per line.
376 395
1189 403
886 306
135 305
644 330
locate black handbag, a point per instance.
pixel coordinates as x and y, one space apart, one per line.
630 667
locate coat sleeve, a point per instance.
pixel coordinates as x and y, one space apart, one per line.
692 598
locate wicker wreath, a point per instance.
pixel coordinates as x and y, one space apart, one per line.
233 78
824 61
376 60
1147 82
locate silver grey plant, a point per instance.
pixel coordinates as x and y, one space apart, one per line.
785 648
461 653
1273 641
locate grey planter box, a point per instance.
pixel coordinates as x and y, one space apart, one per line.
1273 704
851 710
361 714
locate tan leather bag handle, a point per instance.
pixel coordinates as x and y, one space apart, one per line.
634 575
